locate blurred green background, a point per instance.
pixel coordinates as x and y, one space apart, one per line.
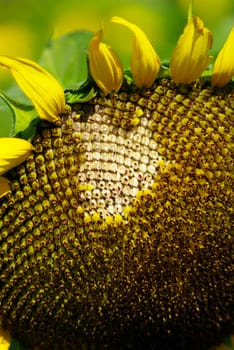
27 25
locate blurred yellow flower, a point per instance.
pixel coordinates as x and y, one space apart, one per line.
13 151
145 63
104 64
42 88
4 343
224 65
190 56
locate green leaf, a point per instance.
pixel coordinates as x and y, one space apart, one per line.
74 96
85 93
7 120
66 58
128 76
22 121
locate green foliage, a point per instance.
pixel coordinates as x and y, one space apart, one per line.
18 119
66 58
7 120
83 94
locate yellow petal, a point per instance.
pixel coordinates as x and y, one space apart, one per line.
4 344
13 151
190 57
42 88
104 65
224 65
145 63
5 340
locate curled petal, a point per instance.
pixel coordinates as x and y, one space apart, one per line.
190 57
145 63
104 65
224 65
42 88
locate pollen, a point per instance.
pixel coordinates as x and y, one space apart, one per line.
119 235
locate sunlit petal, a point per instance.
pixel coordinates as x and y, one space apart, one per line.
224 65
13 151
190 57
145 63
42 88
104 64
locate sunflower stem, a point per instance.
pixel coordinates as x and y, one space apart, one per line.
190 10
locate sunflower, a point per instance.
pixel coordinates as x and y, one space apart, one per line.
116 216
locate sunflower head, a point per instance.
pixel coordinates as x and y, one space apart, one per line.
116 229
